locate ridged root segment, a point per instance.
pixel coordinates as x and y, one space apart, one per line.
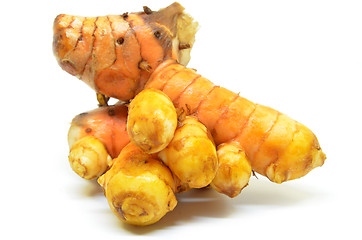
277 146
116 54
301 156
139 189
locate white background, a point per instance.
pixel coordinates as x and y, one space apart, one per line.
303 58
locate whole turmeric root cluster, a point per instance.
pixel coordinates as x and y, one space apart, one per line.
173 130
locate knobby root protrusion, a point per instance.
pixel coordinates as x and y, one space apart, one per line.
147 10
125 15
102 100
145 66
183 46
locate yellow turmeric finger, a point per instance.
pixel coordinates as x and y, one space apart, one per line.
191 155
152 120
139 188
234 170
89 158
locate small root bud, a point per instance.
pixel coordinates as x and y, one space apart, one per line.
102 100
182 46
125 15
89 158
147 10
145 66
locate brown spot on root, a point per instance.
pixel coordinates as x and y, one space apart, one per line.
120 41
125 15
88 130
182 46
83 114
182 188
157 34
69 67
144 213
147 10
111 112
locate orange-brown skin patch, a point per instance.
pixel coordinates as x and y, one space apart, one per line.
108 124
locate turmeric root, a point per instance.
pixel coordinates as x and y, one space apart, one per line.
139 188
191 155
152 120
89 158
119 56
95 138
277 147
234 170
116 54
108 124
